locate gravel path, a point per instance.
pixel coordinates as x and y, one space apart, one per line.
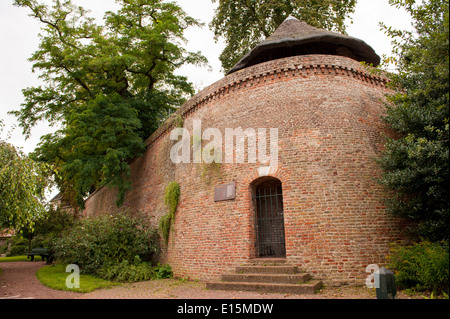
18 281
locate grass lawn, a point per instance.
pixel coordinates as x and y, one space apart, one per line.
19 258
54 276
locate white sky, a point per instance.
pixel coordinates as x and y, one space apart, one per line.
18 40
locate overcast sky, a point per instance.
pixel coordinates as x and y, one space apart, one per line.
18 40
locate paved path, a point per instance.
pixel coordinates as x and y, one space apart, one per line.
18 281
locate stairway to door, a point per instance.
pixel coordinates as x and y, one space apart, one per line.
270 275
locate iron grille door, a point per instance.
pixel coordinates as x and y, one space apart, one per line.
270 220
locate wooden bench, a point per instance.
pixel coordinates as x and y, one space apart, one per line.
43 252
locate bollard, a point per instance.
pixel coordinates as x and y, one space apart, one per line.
385 284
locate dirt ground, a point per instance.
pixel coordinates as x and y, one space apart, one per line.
18 281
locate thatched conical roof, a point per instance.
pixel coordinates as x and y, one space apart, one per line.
294 37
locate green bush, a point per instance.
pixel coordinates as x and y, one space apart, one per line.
96 243
3 248
19 247
421 266
40 241
51 227
45 231
133 272
127 272
163 271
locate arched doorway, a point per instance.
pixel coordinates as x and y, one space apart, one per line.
268 203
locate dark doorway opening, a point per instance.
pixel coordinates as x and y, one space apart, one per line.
268 201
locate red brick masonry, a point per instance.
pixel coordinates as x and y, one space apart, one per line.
327 110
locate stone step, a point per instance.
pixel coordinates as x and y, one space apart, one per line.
267 275
267 261
266 269
307 288
268 278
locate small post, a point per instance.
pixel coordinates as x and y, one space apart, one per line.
385 284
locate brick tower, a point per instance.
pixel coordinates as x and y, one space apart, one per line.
320 207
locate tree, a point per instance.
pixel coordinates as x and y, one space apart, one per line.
23 183
415 165
108 87
243 24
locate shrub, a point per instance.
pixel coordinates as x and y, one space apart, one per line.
51 227
163 271
133 272
95 243
4 248
421 266
19 246
40 241
127 272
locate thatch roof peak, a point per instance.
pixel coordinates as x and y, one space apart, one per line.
294 37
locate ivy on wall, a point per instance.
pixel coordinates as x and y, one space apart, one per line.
171 200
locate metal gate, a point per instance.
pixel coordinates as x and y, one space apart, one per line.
268 199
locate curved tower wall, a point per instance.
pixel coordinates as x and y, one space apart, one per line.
327 111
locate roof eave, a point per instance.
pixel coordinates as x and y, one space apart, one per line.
357 46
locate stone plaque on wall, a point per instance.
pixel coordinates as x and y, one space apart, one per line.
225 192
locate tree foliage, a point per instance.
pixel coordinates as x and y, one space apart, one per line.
23 183
107 88
243 24
416 164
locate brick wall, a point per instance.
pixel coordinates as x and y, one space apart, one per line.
327 110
